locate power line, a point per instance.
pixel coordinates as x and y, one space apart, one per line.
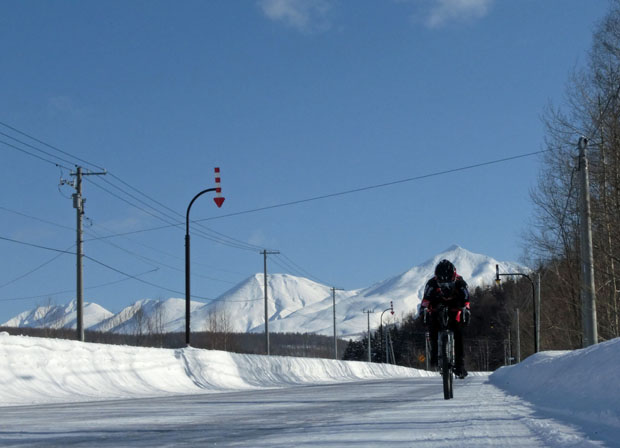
35 269
36 245
232 242
97 262
33 155
49 146
35 148
156 263
341 193
15 212
167 254
302 270
173 222
130 276
221 238
72 290
372 187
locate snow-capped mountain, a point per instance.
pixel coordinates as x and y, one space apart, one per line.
404 290
59 316
240 309
296 304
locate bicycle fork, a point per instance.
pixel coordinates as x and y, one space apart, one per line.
445 346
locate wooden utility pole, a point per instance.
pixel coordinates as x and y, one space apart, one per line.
335 336
78 205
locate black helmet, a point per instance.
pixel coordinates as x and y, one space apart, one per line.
445 272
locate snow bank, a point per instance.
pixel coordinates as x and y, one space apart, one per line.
37 370
580 383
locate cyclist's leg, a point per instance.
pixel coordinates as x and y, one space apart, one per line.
433 333
459 352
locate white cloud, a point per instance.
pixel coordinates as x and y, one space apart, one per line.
303 15
65 105
443 11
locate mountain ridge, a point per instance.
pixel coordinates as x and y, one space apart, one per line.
295 304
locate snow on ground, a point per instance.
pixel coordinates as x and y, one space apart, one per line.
38 370
580 384
552 399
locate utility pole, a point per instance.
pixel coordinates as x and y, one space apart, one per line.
588 294
368 313
537 333
78 205
509 349
265 253
335 337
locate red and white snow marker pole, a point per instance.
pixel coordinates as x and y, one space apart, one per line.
219 199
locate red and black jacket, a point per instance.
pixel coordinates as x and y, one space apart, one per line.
456 297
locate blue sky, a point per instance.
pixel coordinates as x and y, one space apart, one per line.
293 100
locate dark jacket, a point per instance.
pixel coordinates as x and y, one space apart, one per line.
456 297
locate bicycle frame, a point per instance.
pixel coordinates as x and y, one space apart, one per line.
445 346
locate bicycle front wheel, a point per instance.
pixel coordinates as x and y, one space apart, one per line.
446 367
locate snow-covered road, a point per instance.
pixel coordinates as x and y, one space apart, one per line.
396 413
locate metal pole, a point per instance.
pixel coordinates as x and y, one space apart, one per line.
369 358
335 337
382 335
427 350
187 266
518 338
368 313
391 347
266 307
588 297
79 207
387 349
535 306
187 285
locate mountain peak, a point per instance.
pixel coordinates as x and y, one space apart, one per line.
294 303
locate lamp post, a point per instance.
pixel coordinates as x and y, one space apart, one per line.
391 308
219 200
536 323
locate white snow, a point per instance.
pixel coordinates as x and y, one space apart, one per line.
59 316
581 383
552 399
39 370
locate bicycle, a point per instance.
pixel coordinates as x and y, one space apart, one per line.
445 347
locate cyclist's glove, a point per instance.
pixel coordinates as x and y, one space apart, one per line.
466 315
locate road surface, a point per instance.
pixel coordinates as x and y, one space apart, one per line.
393 413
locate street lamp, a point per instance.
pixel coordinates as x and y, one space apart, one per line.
536 329
219 200
391 308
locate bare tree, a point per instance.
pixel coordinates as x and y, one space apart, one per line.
592 109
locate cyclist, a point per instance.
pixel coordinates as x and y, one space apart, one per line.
449 288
